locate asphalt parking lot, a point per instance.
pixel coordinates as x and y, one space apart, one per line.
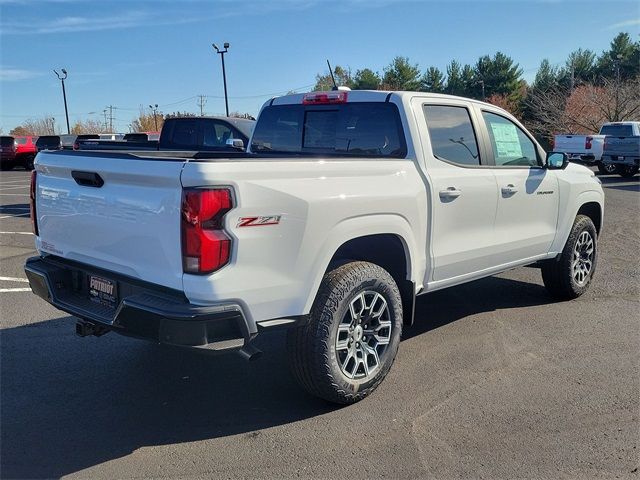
494 381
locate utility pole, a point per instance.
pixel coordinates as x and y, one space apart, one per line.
155 114
62 78
106 125
110 107
573 77
224 74
481 82
202 101
617 63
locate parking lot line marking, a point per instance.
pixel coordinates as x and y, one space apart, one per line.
14 279
15 194
13 187
16 233
6 290
16 215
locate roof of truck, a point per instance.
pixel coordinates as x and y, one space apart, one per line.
370 96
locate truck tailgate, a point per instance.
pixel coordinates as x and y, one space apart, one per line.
622 145
570 143
130 224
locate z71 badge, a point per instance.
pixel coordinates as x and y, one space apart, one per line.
259 221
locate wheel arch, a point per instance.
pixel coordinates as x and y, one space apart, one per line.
590 203
390 249
593 210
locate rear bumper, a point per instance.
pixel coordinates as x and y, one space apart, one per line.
632 160
582 157
143 310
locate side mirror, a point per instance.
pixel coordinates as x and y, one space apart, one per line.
235 143
557 160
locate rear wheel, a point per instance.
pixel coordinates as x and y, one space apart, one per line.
353 334
628 171
28 163
569 275
606 168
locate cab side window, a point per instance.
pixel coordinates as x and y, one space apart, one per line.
452 136
511 147
216 134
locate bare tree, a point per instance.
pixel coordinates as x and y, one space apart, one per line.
147 121
87 126
585 109
38 126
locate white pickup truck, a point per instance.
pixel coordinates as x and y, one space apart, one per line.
346 206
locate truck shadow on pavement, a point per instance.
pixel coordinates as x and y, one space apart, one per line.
69 404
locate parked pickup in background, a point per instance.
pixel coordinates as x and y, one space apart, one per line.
186 134
622 148
346 206
587 148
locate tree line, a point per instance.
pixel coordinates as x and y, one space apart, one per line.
574 97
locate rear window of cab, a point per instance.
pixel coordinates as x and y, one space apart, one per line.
365 129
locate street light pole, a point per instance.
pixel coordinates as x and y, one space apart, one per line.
62 78
224 74
155 114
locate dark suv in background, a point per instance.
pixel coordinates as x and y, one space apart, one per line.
7 152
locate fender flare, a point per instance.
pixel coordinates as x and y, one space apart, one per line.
361 226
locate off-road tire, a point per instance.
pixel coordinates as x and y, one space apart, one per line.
627 171
313 358
28 163
558 274
607 168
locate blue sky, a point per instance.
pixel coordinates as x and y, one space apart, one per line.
132 53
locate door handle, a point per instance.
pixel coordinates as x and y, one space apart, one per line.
87 179
450 193
509 190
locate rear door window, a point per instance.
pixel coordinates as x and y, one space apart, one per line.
6 141
452 136
184 134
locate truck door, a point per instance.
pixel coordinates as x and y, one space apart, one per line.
464 195
528 196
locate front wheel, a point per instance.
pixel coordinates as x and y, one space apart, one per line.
628 171
353 334
569 275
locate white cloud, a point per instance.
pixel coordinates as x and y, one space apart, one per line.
9 74
76 23
627 23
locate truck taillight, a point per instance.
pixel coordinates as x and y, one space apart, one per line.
587 143
205 245
324 98
32 203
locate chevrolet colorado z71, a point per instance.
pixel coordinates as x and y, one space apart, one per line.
347 205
